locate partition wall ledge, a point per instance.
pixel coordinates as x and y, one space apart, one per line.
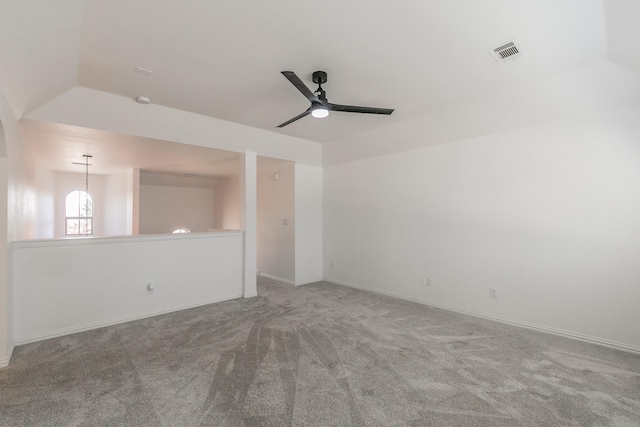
90 240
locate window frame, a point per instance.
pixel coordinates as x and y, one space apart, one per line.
88 219
181 230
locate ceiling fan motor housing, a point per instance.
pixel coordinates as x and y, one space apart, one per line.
319 77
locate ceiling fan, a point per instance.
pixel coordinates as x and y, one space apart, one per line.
320 106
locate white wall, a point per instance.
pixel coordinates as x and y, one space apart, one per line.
46 202
164 209
226 205
276 221
133 202
65 286
623 32
114 204
546 215
308 214
18 185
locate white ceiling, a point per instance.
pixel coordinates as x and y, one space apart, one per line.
223 58
56 146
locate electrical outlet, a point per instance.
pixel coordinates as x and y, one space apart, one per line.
493 293
425 281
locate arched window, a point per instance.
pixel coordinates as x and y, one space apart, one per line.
180 231
79 214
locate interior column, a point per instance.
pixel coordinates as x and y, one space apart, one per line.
6 345
248 220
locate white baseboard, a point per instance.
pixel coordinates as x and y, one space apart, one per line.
4 362
251 295
308 282
533 326
279 279
116 321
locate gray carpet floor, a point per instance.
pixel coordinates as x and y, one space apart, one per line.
318 355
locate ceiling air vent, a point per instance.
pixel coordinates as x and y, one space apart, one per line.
506 52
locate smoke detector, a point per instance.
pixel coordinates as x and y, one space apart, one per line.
506 51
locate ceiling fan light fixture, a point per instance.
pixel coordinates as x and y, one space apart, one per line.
319 111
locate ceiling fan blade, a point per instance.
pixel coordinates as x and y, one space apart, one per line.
295 80
299 116
355 109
